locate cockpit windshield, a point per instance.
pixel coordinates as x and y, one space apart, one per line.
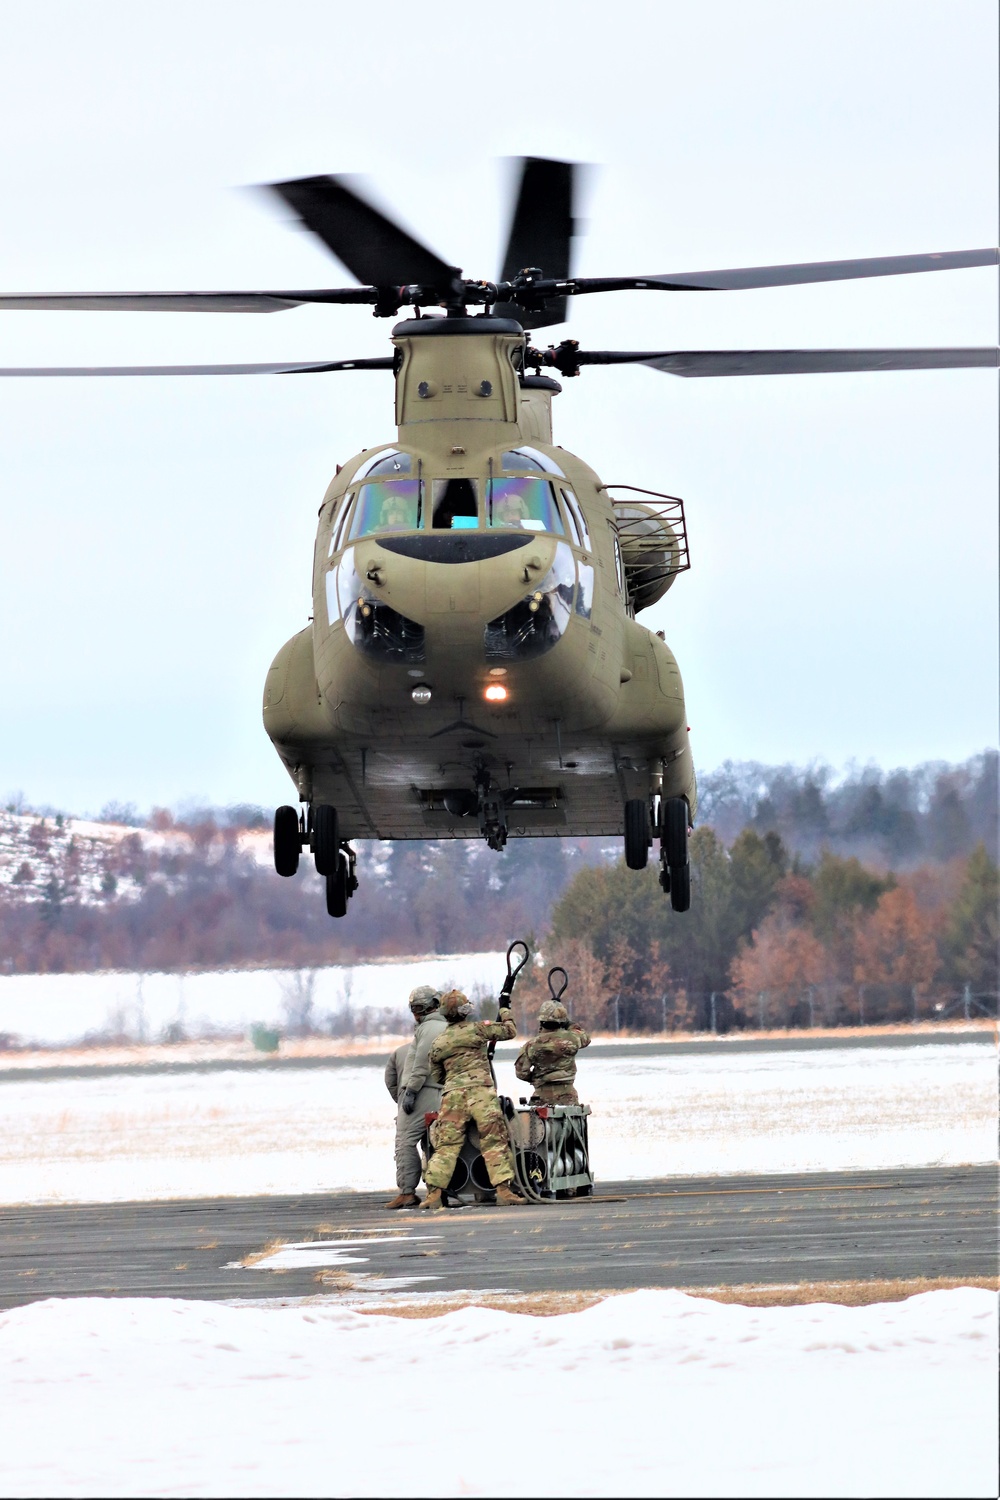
456 504
526 504
386 505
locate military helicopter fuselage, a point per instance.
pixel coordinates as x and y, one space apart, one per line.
473 667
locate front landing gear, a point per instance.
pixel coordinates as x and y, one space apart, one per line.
287 840
675 868
337 893
637 837
335 860
342 882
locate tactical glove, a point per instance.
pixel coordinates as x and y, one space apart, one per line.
407 1100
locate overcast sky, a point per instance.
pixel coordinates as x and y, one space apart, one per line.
158 533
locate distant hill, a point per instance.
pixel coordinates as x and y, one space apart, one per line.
173 891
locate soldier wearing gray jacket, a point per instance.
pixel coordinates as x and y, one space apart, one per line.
406 1078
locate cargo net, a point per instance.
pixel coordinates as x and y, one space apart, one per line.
653 537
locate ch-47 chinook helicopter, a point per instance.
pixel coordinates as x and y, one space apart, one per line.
474 666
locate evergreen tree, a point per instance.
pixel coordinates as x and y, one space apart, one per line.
972 936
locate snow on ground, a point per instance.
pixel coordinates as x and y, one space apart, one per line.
119 1137
59 1009
654 1393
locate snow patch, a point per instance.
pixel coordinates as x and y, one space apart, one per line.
657 1393
60 1009
121 1136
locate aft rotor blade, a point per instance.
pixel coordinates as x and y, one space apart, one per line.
699 362
541 234
303 368
794 275
372 247
216 302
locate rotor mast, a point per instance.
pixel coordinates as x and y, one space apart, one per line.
459 385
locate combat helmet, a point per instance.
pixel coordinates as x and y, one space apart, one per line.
455 1006
423 999
551 1014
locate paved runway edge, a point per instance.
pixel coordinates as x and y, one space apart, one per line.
912 1222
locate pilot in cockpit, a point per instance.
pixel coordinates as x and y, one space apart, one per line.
393 515
510 510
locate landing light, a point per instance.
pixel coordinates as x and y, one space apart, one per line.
496 692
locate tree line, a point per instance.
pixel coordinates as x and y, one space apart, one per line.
774 941
866 897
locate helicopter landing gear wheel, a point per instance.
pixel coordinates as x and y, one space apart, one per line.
337 889
674 832
675 871
287 841
636 833
680 887
326 839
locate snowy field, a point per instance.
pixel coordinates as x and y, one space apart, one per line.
60 1009
137 1136
654 1393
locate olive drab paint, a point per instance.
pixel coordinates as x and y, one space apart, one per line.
478 556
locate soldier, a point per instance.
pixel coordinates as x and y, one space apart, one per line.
460 1062
407 1081
548 1061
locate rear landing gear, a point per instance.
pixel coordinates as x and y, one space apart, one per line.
675 869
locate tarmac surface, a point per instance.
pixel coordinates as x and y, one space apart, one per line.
934 1221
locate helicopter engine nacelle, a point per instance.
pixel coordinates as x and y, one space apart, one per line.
653 546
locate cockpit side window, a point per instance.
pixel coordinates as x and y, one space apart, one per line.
456 504
337 529
527 504
575 512
619 567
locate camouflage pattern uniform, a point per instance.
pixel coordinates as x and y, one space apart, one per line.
460 1063
548 1061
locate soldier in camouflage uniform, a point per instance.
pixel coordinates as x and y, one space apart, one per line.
548 1061
459 1060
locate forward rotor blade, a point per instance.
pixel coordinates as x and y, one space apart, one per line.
794 275
820 361
541 234
700 362
372 247
305 368
221 302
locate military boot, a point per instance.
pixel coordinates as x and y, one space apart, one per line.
508 1197
434 1199
404 1200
